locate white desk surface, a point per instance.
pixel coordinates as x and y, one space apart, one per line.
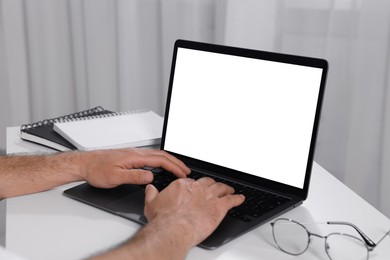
48 225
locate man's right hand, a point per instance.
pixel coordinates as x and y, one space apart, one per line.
180 217
189 210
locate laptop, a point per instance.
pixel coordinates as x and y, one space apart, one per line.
245 117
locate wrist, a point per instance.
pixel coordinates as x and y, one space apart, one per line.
174 237
72 164
154 241
166 239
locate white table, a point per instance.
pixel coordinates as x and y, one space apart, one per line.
48 225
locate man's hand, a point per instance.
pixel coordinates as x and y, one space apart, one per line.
180 217
190 210
110 168
21 175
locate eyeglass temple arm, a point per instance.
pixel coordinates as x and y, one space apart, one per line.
366 239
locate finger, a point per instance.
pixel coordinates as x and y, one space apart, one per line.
133 176
219 189
173 159
155 160
150 193
232 200
206 181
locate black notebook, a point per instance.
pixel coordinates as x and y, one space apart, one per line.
42 132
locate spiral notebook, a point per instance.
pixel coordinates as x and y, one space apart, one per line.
42 132
110 131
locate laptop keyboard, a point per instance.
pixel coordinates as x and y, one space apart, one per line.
256 204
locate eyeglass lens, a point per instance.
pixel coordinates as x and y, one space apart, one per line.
343 246
293 238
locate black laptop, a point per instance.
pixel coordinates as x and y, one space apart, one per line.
245 117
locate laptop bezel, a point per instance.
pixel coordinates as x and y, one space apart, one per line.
256 54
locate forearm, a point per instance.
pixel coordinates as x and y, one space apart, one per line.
154 241
29 174
104 169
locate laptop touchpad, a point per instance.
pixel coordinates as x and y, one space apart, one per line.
130 206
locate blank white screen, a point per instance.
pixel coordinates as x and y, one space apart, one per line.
250 115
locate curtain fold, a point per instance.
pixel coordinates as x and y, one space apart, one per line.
384 174
60 56
367 114
15 73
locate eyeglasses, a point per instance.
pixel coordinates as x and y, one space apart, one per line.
294 238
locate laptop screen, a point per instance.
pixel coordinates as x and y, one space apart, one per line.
248 114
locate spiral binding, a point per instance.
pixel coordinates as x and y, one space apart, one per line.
65 120
71 117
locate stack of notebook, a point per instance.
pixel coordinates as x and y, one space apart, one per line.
95 129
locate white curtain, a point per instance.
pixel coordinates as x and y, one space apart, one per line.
60 56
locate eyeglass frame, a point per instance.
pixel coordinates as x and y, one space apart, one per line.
369 244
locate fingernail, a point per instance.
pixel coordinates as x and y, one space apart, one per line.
147 177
